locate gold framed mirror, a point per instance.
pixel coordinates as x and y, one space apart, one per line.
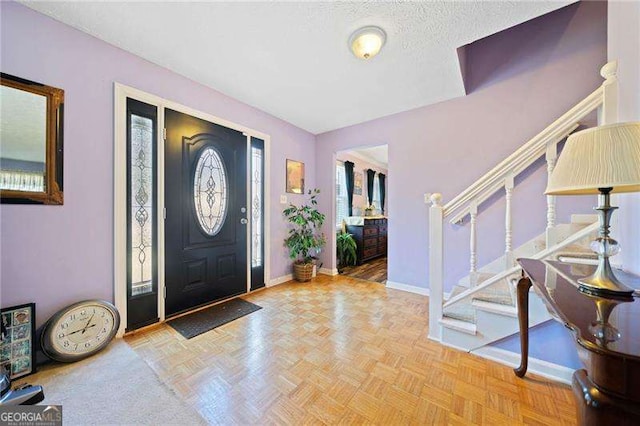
31 142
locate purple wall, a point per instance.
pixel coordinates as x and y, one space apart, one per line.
523 79
55 255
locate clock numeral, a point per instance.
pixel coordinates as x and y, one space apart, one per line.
66 344
72 317
60 335
76 347
87 345
102 314
64 325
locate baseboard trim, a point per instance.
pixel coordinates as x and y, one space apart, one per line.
327 271
548 370
408 288
280 280
413 289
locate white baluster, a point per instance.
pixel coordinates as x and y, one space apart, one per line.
436 267
473 259
508 237
551 157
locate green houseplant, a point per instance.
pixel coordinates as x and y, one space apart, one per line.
346 249
304 239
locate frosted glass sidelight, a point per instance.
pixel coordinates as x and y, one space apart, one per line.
210 191
141 172
256 207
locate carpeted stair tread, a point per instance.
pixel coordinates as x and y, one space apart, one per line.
498 292
462 310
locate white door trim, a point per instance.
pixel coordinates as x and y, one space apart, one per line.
121 93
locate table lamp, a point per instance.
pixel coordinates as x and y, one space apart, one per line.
600 160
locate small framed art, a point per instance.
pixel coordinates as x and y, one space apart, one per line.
17 339
295 177
357 183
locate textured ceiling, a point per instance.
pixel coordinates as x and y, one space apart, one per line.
291 59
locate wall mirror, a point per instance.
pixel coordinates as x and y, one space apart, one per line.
31 119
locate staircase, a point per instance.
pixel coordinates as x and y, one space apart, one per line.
482 306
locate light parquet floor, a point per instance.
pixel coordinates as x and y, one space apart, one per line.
342 351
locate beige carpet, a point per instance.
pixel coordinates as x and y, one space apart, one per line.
114 387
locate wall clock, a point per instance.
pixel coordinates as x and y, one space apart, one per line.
80 330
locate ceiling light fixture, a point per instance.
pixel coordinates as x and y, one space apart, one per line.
366 42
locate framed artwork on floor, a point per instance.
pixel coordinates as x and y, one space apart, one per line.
295 177
357 183
17 339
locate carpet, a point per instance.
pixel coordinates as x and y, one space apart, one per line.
207 319
113 387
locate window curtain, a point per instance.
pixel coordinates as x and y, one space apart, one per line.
348 171
370 176
381 178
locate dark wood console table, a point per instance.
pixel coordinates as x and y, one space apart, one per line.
607 334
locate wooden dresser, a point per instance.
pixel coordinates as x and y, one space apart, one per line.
371 238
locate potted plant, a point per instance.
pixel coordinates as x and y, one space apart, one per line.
305 238
346 249
368 211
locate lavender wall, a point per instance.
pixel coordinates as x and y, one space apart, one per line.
522 80
55 255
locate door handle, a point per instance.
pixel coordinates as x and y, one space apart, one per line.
244 221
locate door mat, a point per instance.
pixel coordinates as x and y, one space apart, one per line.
207 319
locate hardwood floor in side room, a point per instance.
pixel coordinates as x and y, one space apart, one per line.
343 351
373 270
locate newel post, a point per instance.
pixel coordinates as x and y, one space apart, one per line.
436 266
608 113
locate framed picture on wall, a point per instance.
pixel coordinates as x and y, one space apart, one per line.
295 177
357 183
17 339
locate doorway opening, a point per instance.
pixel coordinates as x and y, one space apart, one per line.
362 213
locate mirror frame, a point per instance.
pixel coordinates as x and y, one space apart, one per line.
54 144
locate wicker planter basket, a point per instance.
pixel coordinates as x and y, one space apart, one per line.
303 271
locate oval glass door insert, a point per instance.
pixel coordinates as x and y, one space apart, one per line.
210 191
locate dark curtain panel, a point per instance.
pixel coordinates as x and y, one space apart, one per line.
348 171
381 178
370 175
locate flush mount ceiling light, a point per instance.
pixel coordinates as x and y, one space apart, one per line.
366 42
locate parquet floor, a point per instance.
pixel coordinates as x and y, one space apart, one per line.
343 351
373 270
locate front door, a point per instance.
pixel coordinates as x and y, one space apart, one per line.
206 219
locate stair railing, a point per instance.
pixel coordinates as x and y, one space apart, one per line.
501 177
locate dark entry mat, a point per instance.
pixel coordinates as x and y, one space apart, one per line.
202 321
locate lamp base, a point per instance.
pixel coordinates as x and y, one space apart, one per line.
605 284
603 280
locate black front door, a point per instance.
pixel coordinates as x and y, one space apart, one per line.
206 219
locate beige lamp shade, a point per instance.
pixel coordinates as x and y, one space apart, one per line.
600 157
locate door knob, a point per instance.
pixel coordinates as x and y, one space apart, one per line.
244 221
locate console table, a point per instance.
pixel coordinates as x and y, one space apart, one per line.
607 335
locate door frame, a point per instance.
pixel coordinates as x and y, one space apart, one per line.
121 93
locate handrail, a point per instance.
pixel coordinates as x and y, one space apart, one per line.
540 255
525 155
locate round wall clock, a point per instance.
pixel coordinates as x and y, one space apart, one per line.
80 330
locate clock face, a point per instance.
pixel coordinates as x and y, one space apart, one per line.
80 330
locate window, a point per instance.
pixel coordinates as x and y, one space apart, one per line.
342 202
376 193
